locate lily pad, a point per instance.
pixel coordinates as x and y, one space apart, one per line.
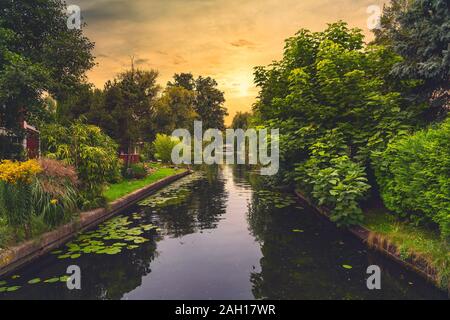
298 231
34 281
3 289
12 289
52 280
75 256
346 266
15 277
2 283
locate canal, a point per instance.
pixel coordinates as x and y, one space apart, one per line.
215 235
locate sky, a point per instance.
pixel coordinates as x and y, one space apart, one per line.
224 39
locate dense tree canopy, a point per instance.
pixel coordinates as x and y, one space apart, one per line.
419 31
174 110
334 105
209 99
241 120
38 54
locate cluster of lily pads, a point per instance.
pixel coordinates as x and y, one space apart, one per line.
277 199
4 287
111 238
174 194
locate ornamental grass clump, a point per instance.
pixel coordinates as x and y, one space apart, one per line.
16 202
55 191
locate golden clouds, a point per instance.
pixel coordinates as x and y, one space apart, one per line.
218 38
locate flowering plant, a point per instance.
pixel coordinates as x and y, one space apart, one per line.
14 172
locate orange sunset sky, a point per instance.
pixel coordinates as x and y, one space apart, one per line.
224 39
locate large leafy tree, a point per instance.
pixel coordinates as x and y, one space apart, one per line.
129 103
38 54
241 120
174 110
334 104
419 31
209 100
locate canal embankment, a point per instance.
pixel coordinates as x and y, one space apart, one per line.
398 247
17 256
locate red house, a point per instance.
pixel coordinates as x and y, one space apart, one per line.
31 142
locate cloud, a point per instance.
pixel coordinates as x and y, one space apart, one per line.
243 43
141 61
223 39
179 60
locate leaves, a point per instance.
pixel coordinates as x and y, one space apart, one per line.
34 281
346 266
111 238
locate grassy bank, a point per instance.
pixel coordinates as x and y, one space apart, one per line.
419 244
118 190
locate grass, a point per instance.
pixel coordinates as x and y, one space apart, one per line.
413 242
118 190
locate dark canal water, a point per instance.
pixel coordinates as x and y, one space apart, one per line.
215 235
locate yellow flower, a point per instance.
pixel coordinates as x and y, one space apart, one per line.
54 201
13 172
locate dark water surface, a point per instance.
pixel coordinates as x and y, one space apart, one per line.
216 235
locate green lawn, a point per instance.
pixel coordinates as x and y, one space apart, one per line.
411 240
118 190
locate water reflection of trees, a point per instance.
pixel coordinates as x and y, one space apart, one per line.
102 276
202 209
309 265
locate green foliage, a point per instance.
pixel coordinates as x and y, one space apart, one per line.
413 176
38 53
209 100
55 192
334 180
334 104
418 30
17 206
90 151
241 120
164 145
136 171
175 110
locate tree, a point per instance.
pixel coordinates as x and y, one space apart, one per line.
86 101
129 104
208 99
333 103
38 54
90 151
418 30
41 35
174 110
184 80
241 120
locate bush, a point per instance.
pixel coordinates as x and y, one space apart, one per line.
90 151
164 145
340 187
413 175
16 203
55 192
136 171
333 180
